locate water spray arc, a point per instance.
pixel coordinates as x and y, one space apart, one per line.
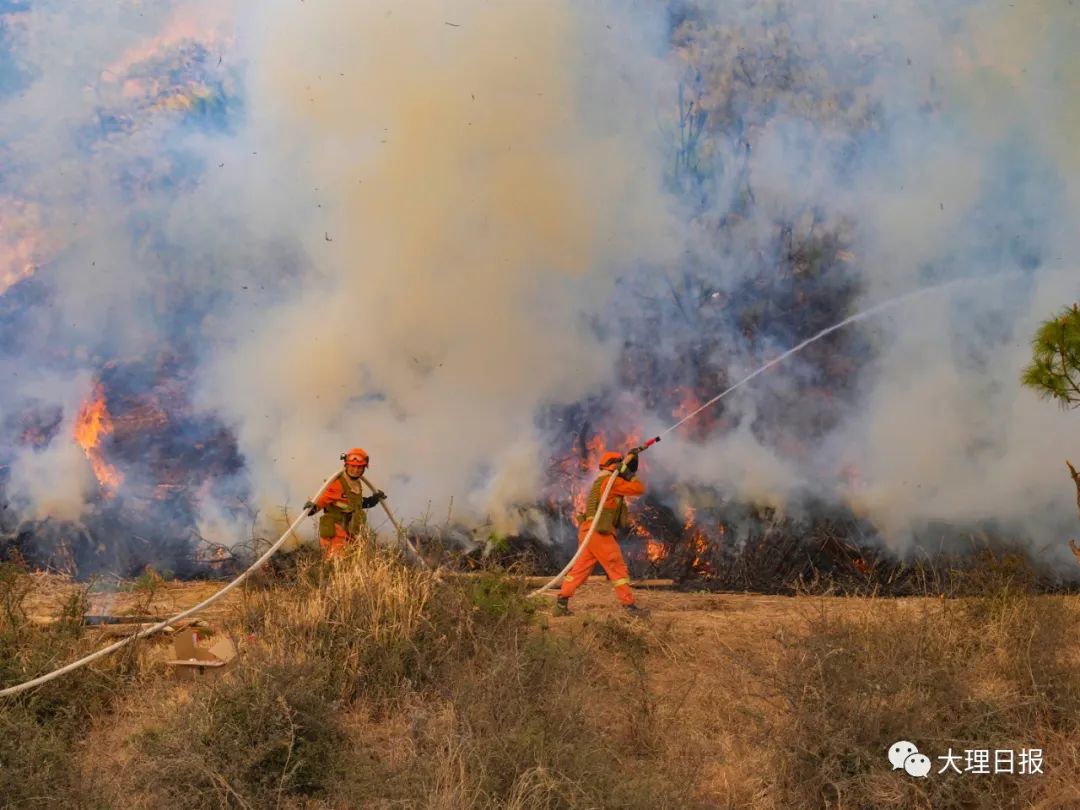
866 313
14 690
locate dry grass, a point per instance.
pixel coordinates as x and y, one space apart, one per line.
368 684
40 730
991 672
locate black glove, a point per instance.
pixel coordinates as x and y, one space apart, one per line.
310 508
373 499
631 465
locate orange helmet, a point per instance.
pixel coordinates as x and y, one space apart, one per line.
355 456
609 459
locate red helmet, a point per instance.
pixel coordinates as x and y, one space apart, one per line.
609 459
355 456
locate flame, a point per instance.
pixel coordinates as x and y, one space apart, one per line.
853 477
144 416
655 551
688 523
860 565
688 403
184 99
576 471
91 424
594 448
698 543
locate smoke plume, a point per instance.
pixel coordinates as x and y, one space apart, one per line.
467 238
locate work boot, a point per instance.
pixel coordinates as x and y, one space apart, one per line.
635 612
562 607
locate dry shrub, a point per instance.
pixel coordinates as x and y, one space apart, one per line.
40 729
369 683
537 722
265 734
990 672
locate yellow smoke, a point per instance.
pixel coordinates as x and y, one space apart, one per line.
482 174
1022 66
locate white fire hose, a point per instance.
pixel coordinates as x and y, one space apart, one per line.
402 536
866 313
14 690
588 536
149 631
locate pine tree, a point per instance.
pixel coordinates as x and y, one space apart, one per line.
1055 368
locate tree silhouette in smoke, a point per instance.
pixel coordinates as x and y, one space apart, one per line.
1055 368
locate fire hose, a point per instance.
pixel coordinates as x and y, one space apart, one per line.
858 316
22 687
402 536
592 527
13 690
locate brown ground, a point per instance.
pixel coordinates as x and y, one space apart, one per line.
694 611
719 668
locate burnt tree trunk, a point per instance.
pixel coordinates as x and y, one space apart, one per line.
1076 480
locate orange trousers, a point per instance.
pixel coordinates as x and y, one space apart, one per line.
335 546
603 549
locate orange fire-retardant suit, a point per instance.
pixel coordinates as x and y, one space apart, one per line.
343 504
603 547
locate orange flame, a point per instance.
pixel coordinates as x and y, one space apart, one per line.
577 470
699 543
688 524
654 551
853 476
91 424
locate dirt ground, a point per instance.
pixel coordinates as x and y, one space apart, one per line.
706 664
595 599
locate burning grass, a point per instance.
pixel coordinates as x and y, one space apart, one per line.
746 547
92 423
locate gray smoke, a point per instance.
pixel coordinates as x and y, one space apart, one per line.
417 228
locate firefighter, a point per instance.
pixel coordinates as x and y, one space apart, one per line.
343 503
603 547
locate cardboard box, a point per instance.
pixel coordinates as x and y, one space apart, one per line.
193 662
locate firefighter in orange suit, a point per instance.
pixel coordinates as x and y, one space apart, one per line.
603 548
343 503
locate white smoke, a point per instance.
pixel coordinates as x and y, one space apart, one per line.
935 137
410 232
483 178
